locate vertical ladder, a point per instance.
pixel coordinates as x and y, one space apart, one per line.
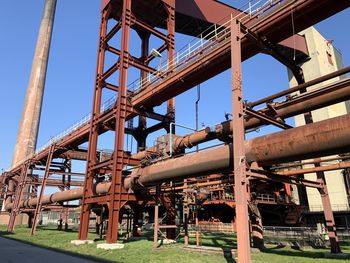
18 196
42 189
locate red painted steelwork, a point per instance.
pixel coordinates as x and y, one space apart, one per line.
238 153
333 132
275 26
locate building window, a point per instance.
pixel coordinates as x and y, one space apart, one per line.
330 60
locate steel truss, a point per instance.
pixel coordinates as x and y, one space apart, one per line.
117 196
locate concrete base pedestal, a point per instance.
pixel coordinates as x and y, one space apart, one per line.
106 246
81 242
166 241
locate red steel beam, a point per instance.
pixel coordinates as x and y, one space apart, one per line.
238 154
42 189
274 25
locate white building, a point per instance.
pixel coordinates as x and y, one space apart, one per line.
324 59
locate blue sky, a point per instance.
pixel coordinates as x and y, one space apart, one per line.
71 71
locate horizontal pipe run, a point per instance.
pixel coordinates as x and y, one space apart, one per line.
286 179
59 197
323 168
336 92
342 157
55 182
313 140
201 163
330 94
301 87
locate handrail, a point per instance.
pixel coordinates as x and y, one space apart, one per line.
197 47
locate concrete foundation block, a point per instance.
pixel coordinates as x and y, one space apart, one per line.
81 242
166 241
106 246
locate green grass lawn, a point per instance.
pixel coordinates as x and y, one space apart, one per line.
142 250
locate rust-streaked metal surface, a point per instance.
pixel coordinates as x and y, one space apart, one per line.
323 168
333 132
204 135
238 152
289 145
300 87
324 96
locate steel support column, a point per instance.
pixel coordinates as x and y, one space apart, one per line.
156 225
328 214
42 189
94 129
141 135
170 199
115 202
240 177
18 196
197 221
185 212
171 51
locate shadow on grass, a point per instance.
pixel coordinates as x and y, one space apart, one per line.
228 256
280 250
69 230
11 236
294 253
218 240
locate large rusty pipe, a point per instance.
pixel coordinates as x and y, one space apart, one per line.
301 86
64 196
323 168
336 92
313 140
329 95
201 163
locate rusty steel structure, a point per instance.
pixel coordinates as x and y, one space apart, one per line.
120 180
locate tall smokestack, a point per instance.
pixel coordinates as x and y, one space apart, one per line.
29 126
